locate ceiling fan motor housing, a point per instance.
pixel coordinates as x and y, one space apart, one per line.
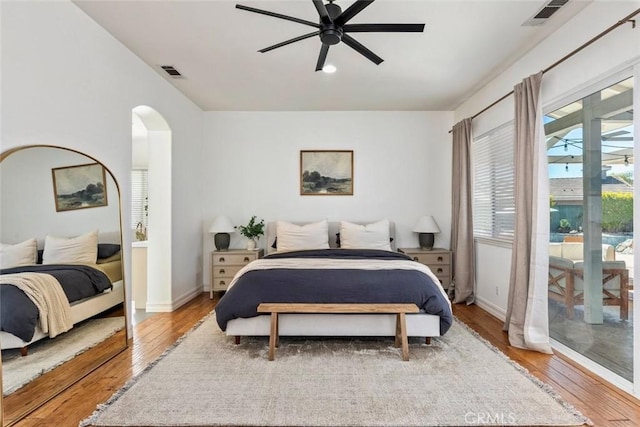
333 10
330 33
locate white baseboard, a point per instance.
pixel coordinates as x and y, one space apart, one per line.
491 308
186 298
159 307
167 307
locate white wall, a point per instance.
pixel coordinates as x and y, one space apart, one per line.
402 169
613 53
28 208
67 82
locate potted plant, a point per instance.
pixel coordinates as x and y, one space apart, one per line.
252 231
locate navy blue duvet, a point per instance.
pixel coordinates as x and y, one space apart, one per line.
19 315
390 285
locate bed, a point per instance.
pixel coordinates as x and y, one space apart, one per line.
334 275
90 288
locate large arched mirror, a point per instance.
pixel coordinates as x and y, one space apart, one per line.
61 235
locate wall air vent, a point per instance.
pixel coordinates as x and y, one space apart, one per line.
171 70
545 12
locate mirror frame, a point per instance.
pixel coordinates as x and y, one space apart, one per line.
19 414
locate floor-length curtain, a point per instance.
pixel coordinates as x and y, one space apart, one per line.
527 319
462 215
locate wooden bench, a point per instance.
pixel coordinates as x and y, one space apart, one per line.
399 309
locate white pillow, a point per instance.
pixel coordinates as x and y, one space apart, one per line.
292 237
75 250
24 253
370 236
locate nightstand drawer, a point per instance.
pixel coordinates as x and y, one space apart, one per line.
220 284
432 259
442 271
232 259
225 270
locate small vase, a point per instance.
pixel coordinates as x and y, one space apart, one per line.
251 244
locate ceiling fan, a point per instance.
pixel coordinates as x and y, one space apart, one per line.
333 28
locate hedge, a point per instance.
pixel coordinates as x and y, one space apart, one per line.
617 212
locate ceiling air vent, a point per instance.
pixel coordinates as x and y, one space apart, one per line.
171 70
545 12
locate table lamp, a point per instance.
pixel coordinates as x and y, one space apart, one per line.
221 226
426 227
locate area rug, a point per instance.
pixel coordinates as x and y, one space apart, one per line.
459 379
46 354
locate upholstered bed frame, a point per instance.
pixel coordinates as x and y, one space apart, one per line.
418 325
80 310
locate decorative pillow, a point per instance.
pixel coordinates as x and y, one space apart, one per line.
338 240
24 253
292 237
76 250
370 236
115 257
107 250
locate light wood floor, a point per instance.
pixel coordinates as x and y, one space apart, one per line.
602 403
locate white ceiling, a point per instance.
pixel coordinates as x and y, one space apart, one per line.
214 45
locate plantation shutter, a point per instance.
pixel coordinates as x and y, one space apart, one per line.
493 197
139 197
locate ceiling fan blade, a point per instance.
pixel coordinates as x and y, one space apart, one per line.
354 44
322 11
322 57
293 40
352 11
277 15
383 28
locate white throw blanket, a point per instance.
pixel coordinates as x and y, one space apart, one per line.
47 294
330 263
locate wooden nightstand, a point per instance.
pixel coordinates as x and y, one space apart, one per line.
437 259
225 265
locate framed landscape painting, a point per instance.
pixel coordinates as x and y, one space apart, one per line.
79 187
326 173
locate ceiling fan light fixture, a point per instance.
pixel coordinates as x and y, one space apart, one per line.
329 69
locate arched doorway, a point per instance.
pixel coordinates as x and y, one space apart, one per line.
157 153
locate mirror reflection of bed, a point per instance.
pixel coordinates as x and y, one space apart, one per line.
78 241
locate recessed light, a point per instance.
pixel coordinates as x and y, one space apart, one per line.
330 69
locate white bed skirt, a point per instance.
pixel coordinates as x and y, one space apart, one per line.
80 310
363 325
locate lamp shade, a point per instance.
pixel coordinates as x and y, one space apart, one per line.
426 224
221 224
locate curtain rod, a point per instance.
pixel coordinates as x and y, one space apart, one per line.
569 55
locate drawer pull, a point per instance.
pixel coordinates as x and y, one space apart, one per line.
246 259
440 258
415 258
440 270
222 271
222 283
221 259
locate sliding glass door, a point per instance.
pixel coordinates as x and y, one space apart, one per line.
590 152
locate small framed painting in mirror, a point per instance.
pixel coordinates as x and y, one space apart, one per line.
79 187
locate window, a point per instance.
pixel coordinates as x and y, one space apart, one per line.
139 197
493 198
